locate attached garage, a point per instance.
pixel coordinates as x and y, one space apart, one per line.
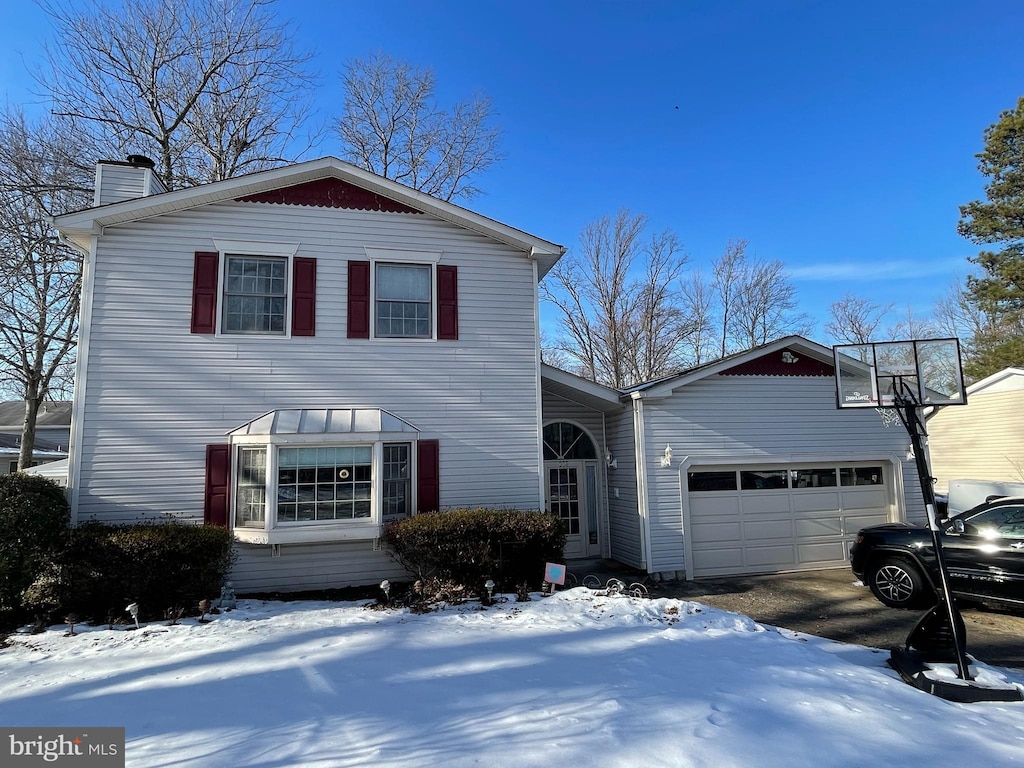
755 518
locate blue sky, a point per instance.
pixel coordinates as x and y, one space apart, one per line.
838 137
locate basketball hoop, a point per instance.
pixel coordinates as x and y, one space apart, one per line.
890 417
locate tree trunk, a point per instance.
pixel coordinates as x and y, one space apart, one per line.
28 428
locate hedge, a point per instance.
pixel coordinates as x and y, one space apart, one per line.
468 546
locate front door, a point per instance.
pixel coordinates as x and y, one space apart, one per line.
571 496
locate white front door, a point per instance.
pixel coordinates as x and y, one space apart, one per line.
572 496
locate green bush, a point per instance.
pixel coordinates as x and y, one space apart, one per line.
34 520
160 566
468 546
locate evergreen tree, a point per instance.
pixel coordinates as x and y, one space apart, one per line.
999 291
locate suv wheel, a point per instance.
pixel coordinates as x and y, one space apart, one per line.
897 583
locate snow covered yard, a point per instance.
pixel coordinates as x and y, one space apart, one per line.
569 680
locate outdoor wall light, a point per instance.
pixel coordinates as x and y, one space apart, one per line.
666 459
609 460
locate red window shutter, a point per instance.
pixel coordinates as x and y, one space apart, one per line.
447 302
303 297
428 476
204 292
359 299
218 485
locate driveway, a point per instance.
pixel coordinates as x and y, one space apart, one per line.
835 605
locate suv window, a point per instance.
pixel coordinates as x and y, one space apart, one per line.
1002 522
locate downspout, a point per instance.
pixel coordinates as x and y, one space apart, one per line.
639 441
537 385
81 369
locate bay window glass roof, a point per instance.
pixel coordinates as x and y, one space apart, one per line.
324 421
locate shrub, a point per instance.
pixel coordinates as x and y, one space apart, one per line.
34 520
467 546
160 566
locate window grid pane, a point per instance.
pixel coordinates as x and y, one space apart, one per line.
396 496
403 300
316 484
251 506
255 295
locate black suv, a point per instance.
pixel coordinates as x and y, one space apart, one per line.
983 547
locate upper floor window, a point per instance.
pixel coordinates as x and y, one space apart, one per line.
255 294
403 300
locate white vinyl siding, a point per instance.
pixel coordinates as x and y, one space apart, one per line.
726 419
156 395
983 440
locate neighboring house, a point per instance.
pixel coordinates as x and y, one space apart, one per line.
983 440
52 470
305 353
740 466
53 422
53 433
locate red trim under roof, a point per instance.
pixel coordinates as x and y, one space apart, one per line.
774 364
329 193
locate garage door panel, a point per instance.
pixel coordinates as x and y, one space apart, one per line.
815 501
832 552
765 503
764 530
767 529
722 560
819 526
865 498
712 532
705 506
780 556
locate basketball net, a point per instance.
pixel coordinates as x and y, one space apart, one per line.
890 416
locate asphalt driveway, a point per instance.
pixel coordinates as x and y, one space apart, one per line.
835 605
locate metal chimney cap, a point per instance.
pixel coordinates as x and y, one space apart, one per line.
141 161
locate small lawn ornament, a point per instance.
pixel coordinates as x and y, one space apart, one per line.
554 573
133 611
71 619
204 608
228 602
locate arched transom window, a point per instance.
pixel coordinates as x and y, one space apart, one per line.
563 440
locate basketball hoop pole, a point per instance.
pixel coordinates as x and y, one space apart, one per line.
910 415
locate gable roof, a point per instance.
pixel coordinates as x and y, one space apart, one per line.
739 364
1001 381
51 414
80 226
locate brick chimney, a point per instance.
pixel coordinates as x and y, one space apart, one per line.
118 180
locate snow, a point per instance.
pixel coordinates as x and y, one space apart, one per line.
575 679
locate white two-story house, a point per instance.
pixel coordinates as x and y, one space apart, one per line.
305 353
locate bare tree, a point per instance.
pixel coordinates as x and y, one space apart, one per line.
757 302
855 320
623 318
699 298
392 125
40 175
911 326
766 305
727 270
211 88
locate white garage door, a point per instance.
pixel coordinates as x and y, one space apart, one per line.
765 519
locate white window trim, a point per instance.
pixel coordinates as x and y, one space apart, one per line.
253 248
319 531
410 258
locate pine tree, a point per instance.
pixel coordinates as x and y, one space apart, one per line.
999 291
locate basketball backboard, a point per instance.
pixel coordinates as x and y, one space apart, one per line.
885 374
